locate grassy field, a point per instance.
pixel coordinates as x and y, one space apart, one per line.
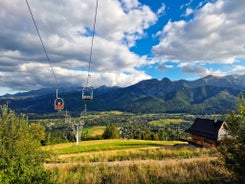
166 122
102 145
134 161
94 131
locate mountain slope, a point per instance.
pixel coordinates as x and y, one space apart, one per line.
206 95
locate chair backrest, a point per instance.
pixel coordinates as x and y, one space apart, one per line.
59 104
87 93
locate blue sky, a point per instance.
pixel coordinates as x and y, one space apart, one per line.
134 40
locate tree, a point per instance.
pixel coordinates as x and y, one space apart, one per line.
38 131
232 147
21 159
111 132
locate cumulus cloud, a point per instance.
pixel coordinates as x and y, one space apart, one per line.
214 35
201 71
163 67
188 11
65 27
161 10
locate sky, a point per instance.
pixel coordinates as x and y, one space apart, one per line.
134 40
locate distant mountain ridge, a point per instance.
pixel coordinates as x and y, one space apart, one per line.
203 96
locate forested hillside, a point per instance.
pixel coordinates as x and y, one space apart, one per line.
207 95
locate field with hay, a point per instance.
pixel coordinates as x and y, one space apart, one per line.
134 161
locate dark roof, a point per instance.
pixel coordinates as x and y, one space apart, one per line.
205 127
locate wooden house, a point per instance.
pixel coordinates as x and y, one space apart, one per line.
206 132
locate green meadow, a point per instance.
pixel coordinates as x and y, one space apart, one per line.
93 131
102 145
166 122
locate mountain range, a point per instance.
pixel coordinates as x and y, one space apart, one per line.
208 95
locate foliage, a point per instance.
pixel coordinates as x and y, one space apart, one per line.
38 131
111 132
232 148
21 158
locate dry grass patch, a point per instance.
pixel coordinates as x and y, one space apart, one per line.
202 170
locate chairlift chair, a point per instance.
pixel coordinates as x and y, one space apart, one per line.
59 104
87 93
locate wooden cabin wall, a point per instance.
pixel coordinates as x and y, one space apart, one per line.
203 141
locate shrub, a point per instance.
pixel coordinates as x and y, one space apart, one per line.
232 147
22 160
111 132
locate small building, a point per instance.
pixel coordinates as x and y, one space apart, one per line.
206 132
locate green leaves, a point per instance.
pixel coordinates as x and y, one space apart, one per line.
111 132
232 148
21 158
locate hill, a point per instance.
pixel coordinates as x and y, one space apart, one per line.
207 95
135 161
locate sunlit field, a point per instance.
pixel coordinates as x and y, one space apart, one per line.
102 145
166 122
134 161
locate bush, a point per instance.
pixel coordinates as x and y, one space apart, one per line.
232 147
22 160
111 132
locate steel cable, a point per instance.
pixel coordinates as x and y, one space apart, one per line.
92 42
43 46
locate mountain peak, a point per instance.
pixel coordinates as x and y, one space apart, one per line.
165 79
217 93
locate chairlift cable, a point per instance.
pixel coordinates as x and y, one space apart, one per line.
43 46
58 101
87 91
92 42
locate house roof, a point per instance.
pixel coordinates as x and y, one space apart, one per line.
205 127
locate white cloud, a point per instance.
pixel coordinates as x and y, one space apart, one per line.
64 27
129 4
201 71
161 10
214 35
188 11
237 69
164 67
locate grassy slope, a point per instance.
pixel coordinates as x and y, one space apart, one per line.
166 122
135 161
102 145
94 131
